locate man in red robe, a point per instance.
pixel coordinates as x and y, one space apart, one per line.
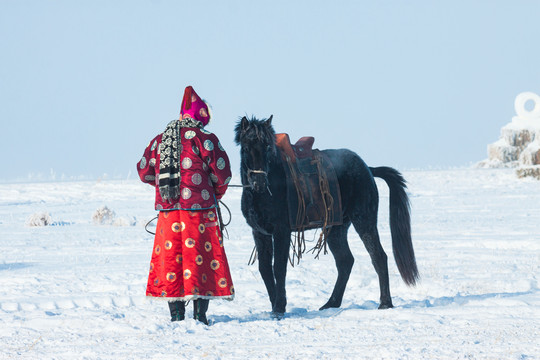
190 171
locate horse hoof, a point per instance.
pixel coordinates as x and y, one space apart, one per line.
328 305
278 315
385 306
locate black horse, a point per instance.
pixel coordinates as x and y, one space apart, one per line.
264 205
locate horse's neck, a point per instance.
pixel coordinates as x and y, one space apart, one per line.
275 168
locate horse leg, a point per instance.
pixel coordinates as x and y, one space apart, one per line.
263 244
282 240
337 241
370 237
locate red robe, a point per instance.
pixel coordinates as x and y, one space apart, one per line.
188 258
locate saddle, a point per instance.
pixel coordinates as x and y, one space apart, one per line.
313 194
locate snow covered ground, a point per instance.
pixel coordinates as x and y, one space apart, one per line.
75 289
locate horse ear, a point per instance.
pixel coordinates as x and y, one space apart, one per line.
269 121
244 123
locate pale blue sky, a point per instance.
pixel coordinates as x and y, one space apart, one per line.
85 85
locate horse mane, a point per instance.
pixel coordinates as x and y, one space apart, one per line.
254 130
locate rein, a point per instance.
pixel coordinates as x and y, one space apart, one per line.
223 225
250 185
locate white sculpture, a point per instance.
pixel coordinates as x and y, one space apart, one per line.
519 145
522 112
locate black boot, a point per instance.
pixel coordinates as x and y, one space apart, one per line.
178 310
199 310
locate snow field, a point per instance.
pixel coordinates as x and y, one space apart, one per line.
75 289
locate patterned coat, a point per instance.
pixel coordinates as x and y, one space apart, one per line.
205 170
188 258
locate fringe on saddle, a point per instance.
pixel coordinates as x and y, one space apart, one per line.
313 195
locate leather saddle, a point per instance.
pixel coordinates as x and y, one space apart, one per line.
313 195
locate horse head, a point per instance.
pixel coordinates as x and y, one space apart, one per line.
257 140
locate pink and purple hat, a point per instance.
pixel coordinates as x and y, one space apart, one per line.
194 107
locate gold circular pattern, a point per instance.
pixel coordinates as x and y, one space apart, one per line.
186 193
195 290
214 264
199 259
222 283
208 246
151 267
171 276
157 250
186 163
182 226
163 293
190 243
178 258
187 274
176 227
205 194
221 163
201 228
204 278
211 216
208 145
209 293
142 165
168 245
196 179
232 289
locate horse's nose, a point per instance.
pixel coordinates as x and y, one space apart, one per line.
257 186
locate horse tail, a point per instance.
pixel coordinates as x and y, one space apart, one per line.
400 223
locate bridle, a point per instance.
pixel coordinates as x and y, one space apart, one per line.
249 172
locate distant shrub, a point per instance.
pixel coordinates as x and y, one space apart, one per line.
103 216
106 216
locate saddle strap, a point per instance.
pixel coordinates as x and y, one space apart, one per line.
299 242
328 201
304 186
